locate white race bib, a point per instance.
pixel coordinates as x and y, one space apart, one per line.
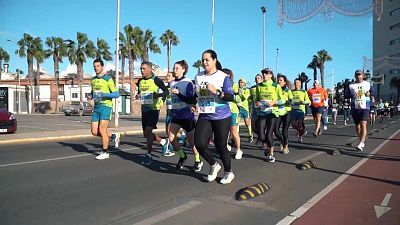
264 105
147 98
361 103
316 98
96 96
206 104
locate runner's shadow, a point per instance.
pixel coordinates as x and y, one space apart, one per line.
79 147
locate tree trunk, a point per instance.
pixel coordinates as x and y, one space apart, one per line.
37 82
198 69
56 77
132 84
123 71
30 75
169 54
322 72
315 73
79 66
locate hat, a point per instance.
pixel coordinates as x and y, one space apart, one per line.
316 81
242 79
267 70
359 71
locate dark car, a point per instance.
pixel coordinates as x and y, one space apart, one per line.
8 122
75 108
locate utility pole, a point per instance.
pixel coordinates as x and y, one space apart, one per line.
263 10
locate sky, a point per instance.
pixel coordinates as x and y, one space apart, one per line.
238 33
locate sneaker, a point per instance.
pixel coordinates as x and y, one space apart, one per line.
238 154
300 139
197 166
325 128
361 146
345 123
169 153
148 160
285 150
228 177
334 123
270 158
315 134
213 172
103 155
305 132
165 147
251 138
116 138
229 147
181 162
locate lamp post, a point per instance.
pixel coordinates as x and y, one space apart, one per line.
19 80
263 10
116 121
276 63
212 25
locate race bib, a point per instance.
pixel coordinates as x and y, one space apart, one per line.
177 103
206 104
264 106
97 96
361 103
316 98
147 98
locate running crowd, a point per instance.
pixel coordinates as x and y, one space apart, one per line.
268 108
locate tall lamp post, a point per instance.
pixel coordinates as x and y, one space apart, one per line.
212 25
263 10
19 80
116 122
276 63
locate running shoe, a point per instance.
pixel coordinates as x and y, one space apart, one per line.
270 158
116 137
213 172
315 134
181 162
169 154
228 177
251 138
148 160
285 149
325 128
103 155
238 154
197 166
300 139
229 147
361 146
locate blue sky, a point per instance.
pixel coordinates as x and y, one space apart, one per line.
237 32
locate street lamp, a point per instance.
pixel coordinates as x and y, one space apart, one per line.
212 26
263 10
19 80
116 121
276 64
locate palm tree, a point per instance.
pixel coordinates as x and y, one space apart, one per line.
323 57
3 56
103 50
314 64
149 44
57 49
26 48
168 39
39 56
304 80
123 54
78 52
134 51
197 65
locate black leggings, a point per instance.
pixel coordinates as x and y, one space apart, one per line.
266 127
203 131
285 122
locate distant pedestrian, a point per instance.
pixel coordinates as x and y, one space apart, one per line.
334 108
103 91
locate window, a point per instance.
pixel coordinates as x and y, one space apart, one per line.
394 41
74 95
395 71
396 26
395 12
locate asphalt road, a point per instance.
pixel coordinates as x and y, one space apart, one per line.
62 183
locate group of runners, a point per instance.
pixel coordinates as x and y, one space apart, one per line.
211 107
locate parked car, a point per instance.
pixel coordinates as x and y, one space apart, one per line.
75 108
8 122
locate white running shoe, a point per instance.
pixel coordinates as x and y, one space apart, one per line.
213 172
229 147
238 154
228 177
117 138
361 146
103 155
169 153
270 158
325 128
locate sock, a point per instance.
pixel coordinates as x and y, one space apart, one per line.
197 158
163 141
105 150
181 153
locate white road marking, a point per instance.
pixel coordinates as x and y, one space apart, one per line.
309 157
169 213
61 158
314 200
382 209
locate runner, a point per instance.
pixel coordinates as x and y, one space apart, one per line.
359 92
149 87
255 110
346 110
103 91
233 106
284 112
373 111
381 111
214 90
300 100
268 95
324 116
334 107
182 116
244 113
318 96
167 149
